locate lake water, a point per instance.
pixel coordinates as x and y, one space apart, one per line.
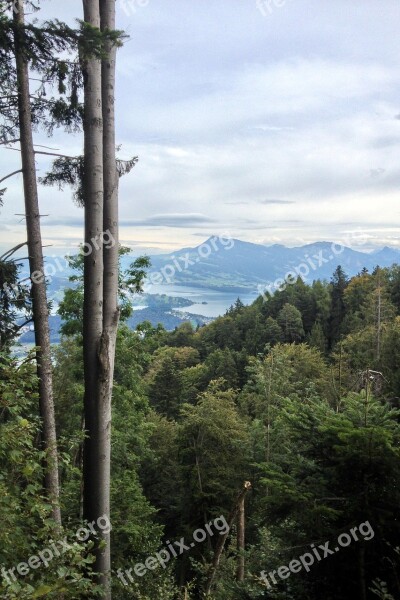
217 302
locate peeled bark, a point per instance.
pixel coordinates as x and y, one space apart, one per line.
97 418
36 267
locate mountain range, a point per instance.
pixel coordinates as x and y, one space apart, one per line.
239 265
231 267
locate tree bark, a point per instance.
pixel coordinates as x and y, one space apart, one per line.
240 540
222 539
97 418
36 267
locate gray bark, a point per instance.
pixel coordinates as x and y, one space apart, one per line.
101 311
36 267
222 538
97 420
240 540
110 225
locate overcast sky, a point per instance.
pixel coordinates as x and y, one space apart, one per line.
274 121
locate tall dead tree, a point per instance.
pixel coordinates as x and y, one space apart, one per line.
36 263
240 537
222 538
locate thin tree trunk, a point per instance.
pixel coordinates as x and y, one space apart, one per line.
361 571
222 539
36 267
240 540
97 420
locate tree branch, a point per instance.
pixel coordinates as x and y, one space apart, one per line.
5 143
10 175
53 154
9 253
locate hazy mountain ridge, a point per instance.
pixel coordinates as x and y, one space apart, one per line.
247 265
237 265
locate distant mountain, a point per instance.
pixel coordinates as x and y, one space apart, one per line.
225 265
231 265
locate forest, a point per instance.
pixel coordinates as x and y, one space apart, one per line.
296 394
256 456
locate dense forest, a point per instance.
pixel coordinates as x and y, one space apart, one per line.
296 394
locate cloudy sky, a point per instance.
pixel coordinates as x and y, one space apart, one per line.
275 121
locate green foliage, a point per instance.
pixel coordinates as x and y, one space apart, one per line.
276 393
15 301
290 320
27 527
130 282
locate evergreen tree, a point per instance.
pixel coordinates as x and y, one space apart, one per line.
290 321
339 284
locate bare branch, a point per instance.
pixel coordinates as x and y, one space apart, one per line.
9 253
10 175
45 153
48 147
5 143
53 154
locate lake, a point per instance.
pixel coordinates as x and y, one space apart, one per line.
217 302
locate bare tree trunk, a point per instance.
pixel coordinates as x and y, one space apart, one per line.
222 538
36 267
361 571
97 419
240 540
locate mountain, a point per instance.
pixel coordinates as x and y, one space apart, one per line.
229 266
233 265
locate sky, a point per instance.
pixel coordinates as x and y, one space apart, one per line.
273 121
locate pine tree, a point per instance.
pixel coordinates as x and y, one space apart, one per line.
339 284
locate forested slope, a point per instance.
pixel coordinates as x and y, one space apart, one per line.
297 394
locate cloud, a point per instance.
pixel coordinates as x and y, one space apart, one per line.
63 221
272 201
169 220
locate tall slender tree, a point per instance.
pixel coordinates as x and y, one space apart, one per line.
97 416
101 312
36 263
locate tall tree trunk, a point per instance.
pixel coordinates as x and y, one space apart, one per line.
97 417
36 266
222 539
110 273
240 540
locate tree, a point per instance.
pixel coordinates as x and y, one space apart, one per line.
289 318
36 264
130 282
339 284
97 359
15 302
273 332
317 338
